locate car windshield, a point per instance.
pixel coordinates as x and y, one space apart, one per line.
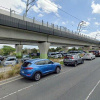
53 54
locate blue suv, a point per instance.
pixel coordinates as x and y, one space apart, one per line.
36 68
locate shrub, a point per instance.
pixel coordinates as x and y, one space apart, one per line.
14 71
1 76
61 62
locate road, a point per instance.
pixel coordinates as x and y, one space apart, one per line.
73 83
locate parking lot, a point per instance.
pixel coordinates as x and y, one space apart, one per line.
73 83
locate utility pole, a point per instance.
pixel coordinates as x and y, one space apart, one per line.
79 28
29 4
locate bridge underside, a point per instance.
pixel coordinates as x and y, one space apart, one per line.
10 35
19 37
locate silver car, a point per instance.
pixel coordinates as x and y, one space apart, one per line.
55 55
89 56
11 61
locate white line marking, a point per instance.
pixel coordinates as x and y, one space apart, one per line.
92 90
11 81
32 85
10 78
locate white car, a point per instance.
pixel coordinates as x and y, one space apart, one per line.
11 61
89 56
55 55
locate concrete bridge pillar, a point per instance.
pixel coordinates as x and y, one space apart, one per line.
44 47
18 50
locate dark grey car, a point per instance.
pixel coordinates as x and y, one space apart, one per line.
73 59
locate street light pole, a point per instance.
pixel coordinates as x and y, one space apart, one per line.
80 26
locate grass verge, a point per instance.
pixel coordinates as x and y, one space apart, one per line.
13 72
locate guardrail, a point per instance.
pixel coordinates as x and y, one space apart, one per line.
14 20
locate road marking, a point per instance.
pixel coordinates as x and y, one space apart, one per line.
9 78
92 90
6 81
11 81
33 85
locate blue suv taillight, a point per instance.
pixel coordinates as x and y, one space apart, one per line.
29 68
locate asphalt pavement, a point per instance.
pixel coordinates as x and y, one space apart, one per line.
73 83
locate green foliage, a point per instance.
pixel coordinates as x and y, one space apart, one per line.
1 52
19 55
61 63
34 50
7 50
55 49
75 49
24 51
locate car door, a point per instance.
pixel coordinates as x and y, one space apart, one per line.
42 66
79 59
50 65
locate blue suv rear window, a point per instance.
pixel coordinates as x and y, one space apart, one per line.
26 64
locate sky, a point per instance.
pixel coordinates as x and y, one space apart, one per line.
67 13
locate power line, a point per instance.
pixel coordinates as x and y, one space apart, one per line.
68 13
65 11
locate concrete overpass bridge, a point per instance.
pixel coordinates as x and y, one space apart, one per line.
19 30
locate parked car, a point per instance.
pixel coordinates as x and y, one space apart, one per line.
1 58
36 68
76 52
95 52
90 56
33 54
11 61
73 59
64 54
55 55
81 53
25 57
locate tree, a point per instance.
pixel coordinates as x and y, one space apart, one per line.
34 50
1 52
73 49
58 48
24 51
7 50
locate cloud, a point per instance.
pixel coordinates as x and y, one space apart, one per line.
97 23
95 34
16 5
84 31
46 6
89 19
85 24
40 15
95 8
63 23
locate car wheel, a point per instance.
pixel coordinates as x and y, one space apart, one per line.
65 64
37 76
82 61
75 64
57 70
